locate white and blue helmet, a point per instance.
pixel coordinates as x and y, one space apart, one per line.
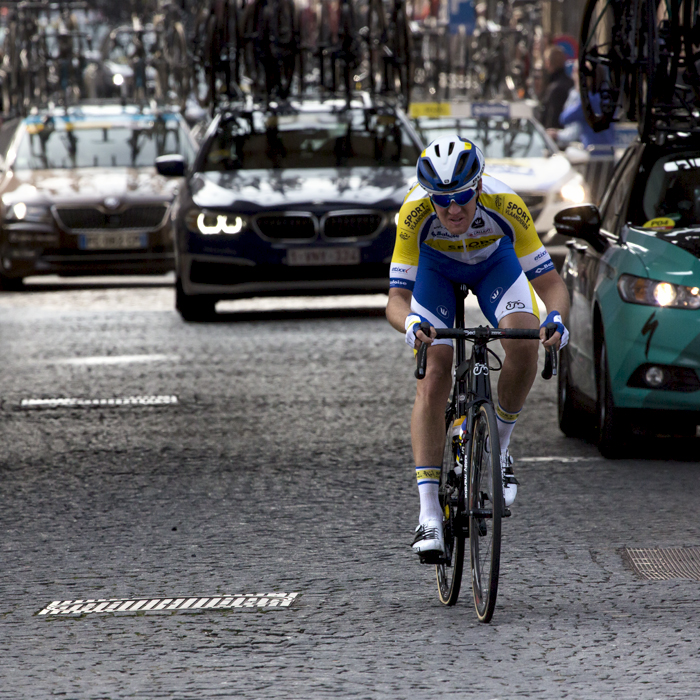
450 164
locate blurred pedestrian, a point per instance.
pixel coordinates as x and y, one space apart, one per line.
596 160
558 86
574 123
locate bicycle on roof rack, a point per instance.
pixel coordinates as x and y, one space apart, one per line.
150 61
638 59
274 49
44 55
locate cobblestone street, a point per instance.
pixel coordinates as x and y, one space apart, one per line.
279 470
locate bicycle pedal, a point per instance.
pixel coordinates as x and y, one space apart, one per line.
506 512
432 558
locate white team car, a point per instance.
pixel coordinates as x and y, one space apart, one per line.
518 152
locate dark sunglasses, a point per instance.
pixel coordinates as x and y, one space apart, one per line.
460 198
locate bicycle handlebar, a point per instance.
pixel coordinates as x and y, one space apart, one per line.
487 334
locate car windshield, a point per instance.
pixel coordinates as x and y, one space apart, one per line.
345 138
497 137
56 143
672 191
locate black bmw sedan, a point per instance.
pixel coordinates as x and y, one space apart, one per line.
293 198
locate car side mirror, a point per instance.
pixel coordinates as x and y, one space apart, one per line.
581 222
171 165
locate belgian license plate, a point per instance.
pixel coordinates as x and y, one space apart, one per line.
117 240
323 256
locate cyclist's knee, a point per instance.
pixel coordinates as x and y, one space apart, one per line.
522 353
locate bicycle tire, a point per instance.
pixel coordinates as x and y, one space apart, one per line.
402 57
376 40
485 510
600 64
646 68
449 571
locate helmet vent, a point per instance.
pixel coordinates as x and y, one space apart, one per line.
461 164
427 165
452 148
437 150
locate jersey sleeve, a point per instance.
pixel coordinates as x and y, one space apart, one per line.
413 214
533 256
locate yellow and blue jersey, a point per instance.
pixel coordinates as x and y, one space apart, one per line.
500 215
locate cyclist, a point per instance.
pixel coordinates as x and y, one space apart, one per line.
459 225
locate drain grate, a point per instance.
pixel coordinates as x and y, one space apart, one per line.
67 402
664 564
243 601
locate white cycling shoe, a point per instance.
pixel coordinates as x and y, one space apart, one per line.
429 539
510 483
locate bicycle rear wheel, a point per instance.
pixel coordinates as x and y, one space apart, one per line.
485 511
449 571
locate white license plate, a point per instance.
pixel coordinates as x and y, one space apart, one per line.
323 256
117 240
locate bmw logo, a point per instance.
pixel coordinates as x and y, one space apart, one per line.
496 293
442 310
112 202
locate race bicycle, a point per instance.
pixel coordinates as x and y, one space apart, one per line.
471 488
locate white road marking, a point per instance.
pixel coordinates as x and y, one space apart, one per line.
134 605
113 359
563 460
99 403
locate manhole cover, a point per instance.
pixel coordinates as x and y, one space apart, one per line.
665 564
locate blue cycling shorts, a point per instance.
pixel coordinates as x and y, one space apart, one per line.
499 284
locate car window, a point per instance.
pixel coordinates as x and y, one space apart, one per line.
348 138
618 192
84 144
672 191
497 138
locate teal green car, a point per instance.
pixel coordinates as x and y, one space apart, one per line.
633 273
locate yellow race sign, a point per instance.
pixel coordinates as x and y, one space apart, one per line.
429 109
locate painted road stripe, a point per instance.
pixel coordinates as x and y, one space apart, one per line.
113 359
99 403
141 605
563 460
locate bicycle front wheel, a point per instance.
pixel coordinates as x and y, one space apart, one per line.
485 511
449 570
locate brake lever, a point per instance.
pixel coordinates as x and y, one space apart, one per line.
422 356
550 358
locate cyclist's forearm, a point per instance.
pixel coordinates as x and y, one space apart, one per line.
398 308
551 289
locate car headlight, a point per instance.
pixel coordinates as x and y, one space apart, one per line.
214 224
19 211
639 290
573 192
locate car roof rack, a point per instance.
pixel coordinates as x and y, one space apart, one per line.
296 103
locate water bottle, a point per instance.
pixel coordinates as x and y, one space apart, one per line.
459 427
